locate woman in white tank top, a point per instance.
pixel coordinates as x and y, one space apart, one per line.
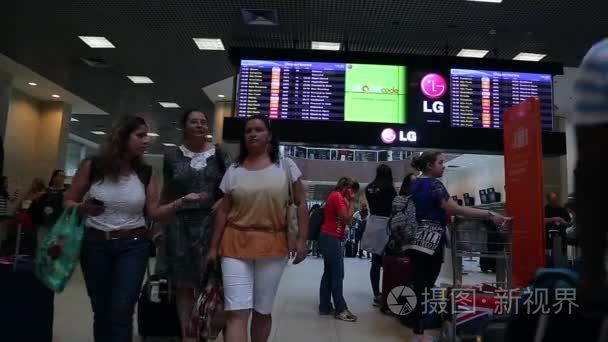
116 191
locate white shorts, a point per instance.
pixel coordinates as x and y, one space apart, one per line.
251 283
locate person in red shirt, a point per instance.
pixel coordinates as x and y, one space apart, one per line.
339 210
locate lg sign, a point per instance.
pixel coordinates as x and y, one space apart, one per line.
433 86
389 135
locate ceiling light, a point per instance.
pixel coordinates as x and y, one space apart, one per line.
527 56
55 96
73 120
221 96
209 43
169 144
140 79
473 53
98 132
169 104
325 46
33 84
209 136
491 1
153 135
97 42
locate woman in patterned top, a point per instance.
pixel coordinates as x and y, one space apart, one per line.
196 166
426 251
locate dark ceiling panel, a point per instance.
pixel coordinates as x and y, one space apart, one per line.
154 38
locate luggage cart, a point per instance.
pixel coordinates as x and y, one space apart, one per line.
471 241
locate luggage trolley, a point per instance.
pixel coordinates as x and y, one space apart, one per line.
478 238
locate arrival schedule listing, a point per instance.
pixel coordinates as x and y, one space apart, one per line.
292 90
479 98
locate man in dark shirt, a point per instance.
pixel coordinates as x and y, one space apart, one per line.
556 218
591 120
555 214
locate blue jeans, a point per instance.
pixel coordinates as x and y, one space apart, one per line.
113 272
333 274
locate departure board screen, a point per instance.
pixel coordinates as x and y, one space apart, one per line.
322 91
479 98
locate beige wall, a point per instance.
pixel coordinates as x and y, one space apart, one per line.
476 172
364 172
35 139
223 109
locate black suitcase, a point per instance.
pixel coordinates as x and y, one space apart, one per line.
349 249
157 310
495 244
26 305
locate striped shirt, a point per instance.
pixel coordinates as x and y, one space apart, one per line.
5 203
591 87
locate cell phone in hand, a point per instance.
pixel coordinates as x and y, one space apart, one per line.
96 202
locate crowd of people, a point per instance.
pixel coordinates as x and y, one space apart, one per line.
231 215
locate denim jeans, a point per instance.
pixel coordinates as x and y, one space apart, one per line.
113 272
333 274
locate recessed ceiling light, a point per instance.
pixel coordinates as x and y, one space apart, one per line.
492 1
55 96
169 104
221 96
169 144
73 120
325 46
140 79
97 42
527 56
33 84
153 135
98 132
209 44
473 53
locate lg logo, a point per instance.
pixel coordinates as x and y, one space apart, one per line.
388 136
433 86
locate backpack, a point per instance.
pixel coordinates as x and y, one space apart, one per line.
315 222
401 226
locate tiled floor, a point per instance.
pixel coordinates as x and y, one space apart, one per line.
295 313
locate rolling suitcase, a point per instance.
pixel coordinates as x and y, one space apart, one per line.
349 249
397 271
157 309
26 305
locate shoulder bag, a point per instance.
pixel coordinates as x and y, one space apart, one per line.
292 211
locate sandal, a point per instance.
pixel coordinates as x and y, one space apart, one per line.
346 316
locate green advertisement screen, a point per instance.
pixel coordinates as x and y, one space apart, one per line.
322 91
375 93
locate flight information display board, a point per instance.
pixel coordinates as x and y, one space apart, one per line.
420 96
479 98
322 91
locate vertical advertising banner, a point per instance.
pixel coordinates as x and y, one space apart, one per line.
524 187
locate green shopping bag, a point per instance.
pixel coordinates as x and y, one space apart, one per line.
59 252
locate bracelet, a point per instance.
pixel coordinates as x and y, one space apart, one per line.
175 205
